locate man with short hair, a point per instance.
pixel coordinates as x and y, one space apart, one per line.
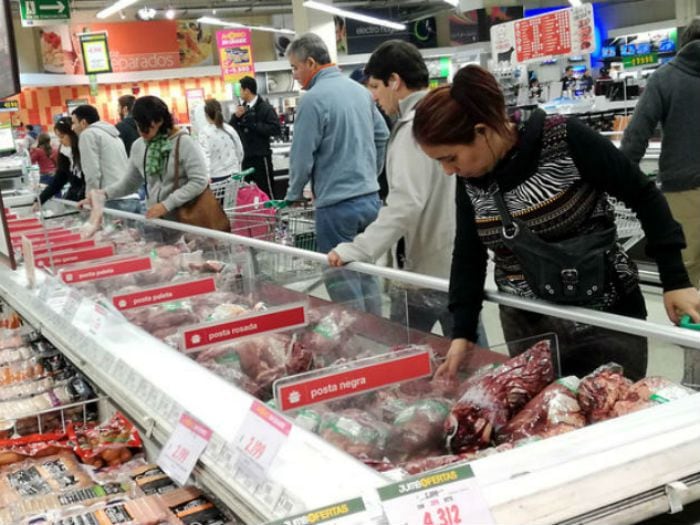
568 81
671 98
339 144
102 156
127 125
420 207
256 122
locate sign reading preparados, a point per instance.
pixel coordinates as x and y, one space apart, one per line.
164 294
75 256
272 320
317 389
106 270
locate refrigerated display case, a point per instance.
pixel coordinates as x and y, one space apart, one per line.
617 471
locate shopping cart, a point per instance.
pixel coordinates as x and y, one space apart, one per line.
629 229
226 190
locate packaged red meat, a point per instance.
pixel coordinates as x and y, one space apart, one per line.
553 411
492 397
419 428
163 271
600 390
648 392
108 444
417 466
356 432
328 335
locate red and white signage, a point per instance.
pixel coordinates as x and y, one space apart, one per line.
41 235
164 294
76 256
183 448
61 246
20 225
106 270
336 385
559 33
273 320
10 216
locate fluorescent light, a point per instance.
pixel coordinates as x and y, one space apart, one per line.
117 6
312 4
170 13
452 2
217 22
575 3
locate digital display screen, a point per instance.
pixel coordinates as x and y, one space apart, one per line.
628 50
667 46
609 51
643 48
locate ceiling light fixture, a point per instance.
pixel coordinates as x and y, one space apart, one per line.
115 7
312 4
217 22
453 3
146 13
170 13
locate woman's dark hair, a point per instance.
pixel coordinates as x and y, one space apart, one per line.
402 58
43 141
64 126
212 108
449 114
149 110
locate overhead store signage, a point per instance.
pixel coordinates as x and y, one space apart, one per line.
9 106
43 12
106 270
183 448
272 320
164 294
641 60
365 375
448 497
93 47
559 33
350 512
235 54
475 25
75 256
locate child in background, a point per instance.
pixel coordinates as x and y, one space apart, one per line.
45 156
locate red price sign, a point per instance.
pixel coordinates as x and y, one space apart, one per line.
262 434
182 450
448 515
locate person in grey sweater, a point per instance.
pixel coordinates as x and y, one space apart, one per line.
672 98
153 160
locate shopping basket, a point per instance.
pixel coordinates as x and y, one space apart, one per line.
629 229
226 190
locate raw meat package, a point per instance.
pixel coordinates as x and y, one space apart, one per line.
649 392
553 411
419 428
356 432
600 390
492 397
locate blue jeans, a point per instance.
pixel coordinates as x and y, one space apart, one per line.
338 223
128 205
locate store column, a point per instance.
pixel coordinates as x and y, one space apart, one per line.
314 21
686 11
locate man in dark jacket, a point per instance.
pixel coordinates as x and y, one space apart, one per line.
256 121
127 126
672 98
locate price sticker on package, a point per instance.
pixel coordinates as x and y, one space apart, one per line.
262 434
182 450
448 497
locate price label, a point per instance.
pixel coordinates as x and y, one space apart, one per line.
448 497
262 434
98 320
350 512
182 450
70 307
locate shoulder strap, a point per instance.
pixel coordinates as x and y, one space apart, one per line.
176 183
510 229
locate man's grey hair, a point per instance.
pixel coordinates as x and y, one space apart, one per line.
691 33
310 45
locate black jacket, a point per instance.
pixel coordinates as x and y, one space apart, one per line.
128 132
257 125
64 175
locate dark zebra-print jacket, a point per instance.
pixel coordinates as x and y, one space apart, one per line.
557 179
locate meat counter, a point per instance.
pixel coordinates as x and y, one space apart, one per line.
631 467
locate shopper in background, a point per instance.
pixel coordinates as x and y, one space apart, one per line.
223 151
554 174
256 122
568 81
127 125
586 81
339 144
102 156
153 160
45 157
671 98
420 207
68 165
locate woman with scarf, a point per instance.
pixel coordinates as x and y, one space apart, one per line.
153 159
68 169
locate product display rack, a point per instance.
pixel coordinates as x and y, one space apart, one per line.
620 471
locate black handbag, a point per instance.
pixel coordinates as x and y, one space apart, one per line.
573 271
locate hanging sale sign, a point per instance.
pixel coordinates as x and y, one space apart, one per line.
235 54
560 33
95 53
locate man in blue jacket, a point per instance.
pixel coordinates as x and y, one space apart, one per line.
339 144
